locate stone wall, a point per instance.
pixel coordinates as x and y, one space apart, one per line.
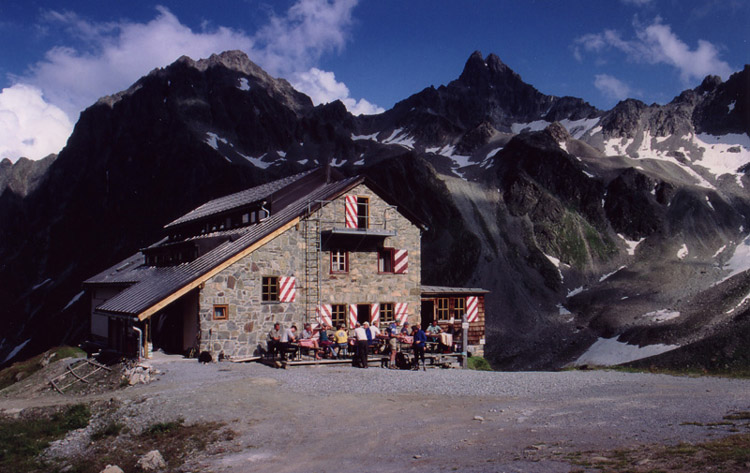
239 286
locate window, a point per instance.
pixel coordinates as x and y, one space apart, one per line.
386 313
270 289
443 311
338 315
459 308
363 212
339 261
221 312
385 260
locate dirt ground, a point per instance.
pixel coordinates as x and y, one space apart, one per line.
519 422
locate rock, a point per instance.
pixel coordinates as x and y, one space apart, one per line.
152 461
112 469
417 457
479 418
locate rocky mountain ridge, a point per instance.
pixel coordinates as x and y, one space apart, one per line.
569 215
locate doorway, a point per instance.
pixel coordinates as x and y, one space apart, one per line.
363 313
428 312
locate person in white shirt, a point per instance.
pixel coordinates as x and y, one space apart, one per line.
360 333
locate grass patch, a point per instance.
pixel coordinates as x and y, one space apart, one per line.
742 415
729 454
162 428
22 440
23 369
111 429
478 363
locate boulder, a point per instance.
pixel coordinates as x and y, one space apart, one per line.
152 461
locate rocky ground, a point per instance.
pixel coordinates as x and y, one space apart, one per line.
318 419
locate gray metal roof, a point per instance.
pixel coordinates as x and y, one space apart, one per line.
238 199
128 271
162 282
452 290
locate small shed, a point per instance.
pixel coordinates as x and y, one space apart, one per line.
447 306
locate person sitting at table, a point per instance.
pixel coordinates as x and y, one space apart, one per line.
308 340
404 330
325 342
288 337
392 349
274 339
342 340
433 329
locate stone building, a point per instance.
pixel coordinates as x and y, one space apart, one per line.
307 248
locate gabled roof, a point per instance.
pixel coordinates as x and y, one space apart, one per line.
238 199
163 285
153 288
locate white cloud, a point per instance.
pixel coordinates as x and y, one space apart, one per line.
322 87
113 55
29 126
657 44
611 87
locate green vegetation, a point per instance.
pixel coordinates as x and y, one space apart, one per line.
21 440
162 428
478 363
728 454
23 369
111 429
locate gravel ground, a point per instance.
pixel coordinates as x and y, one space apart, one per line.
326 418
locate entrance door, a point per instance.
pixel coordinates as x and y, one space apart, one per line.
363 313
428 312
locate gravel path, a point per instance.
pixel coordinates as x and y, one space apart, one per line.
343 419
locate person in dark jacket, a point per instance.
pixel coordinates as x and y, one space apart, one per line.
420 340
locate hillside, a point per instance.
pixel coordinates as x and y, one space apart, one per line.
584 224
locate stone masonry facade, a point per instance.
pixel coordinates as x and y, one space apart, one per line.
249 319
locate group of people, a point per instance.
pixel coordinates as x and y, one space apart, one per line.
329 343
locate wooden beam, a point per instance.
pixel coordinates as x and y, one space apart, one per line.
213 272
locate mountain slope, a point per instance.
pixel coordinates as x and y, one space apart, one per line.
582 223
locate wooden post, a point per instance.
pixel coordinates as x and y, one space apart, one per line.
464 341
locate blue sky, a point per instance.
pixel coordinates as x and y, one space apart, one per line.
59 57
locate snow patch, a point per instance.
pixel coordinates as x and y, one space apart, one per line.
15 351
578 128
683 251
258 162
718 252
212 140
73 300
46 281
557 264
397 138
740 260
536 125
708 201
662 315
723 154
603 278
609 351
739 305
731 105
493 152
632 244
574 292
373 137
243 84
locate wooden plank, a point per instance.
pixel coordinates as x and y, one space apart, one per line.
80 378
52 382
97 364
216 270
244 359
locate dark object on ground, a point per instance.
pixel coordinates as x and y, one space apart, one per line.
205 357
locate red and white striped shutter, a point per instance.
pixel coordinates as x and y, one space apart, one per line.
400 261
287 290
375 314
472 308
352 316
351 211
401 314
324 314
